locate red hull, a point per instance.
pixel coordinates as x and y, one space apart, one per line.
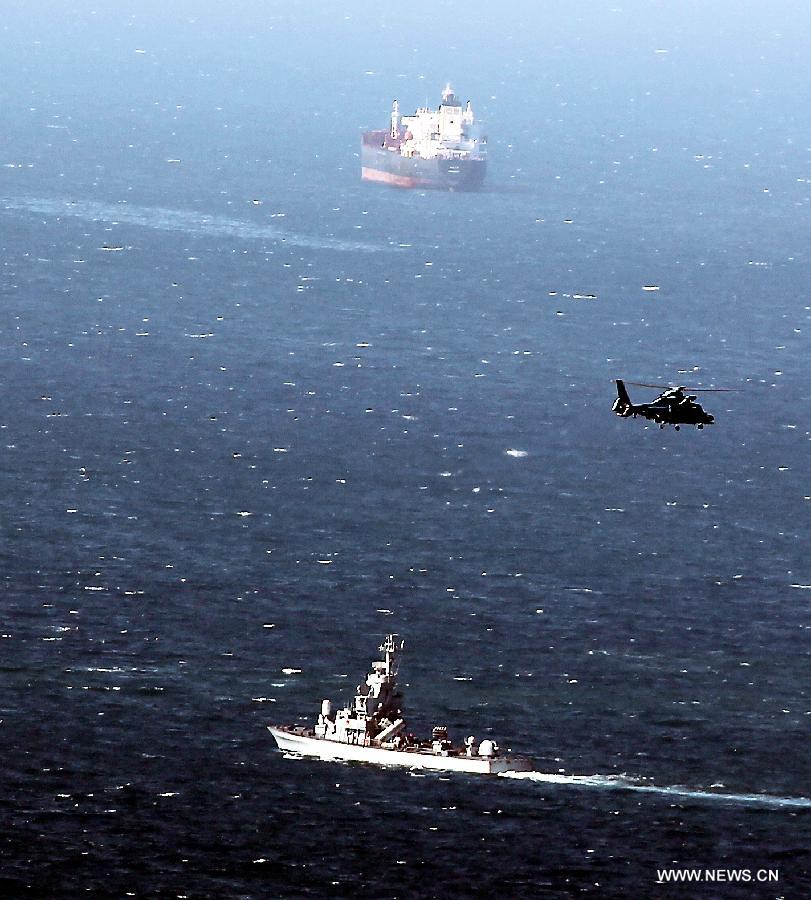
403 181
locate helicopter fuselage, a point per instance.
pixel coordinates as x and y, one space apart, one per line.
671 407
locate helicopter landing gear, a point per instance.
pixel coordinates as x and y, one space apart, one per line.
700 426
677 427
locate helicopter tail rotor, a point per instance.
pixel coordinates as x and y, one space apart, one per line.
622 405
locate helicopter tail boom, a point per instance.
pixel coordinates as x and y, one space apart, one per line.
622 405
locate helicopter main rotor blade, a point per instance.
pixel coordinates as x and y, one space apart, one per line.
682 387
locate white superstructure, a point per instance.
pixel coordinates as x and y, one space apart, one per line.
443 133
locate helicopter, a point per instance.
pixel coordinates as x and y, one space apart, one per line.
672 407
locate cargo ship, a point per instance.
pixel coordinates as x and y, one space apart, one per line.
434 148
372 729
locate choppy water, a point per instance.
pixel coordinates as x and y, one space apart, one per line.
261 435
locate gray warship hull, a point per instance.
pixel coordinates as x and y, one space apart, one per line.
303 743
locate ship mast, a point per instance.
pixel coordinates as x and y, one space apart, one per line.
390 648
395 119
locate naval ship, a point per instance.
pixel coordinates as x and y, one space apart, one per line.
434 148
372 730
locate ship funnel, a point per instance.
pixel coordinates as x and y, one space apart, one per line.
326 709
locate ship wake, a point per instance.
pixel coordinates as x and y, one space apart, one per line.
625 783
185 221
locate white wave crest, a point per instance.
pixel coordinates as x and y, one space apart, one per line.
619 782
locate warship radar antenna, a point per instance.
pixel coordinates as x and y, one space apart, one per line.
390 647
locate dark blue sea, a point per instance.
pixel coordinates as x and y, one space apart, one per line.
295 412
